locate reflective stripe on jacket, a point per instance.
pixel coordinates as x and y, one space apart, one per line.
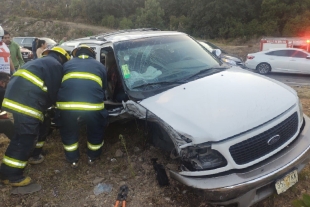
79 106
83 75
83 85
31 77
34 88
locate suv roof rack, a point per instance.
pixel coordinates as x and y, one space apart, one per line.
103 35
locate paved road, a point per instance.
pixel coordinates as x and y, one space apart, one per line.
291 79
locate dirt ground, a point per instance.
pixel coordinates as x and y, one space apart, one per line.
126 162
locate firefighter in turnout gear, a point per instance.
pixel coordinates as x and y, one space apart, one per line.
81 96
31 90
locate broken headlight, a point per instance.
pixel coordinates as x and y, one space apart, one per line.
203 158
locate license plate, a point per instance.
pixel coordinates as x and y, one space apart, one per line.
286 182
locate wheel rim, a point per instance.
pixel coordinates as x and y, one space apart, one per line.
263 68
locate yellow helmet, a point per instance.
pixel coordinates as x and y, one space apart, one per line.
84 47
58 50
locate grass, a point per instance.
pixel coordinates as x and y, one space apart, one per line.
123 141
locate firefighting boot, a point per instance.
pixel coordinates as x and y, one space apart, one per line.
91 161
18 183
75 164
36 160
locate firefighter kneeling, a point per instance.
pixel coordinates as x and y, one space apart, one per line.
31 90
81 95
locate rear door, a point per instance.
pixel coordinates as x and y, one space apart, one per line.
299 62
279 60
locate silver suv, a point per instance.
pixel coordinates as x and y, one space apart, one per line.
26 42
238 136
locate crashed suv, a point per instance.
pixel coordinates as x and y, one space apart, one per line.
239 136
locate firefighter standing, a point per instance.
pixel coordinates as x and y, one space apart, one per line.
31 90
81 95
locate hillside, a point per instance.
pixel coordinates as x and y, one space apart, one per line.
204 19
55 29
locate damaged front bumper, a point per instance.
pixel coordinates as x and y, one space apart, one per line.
248 186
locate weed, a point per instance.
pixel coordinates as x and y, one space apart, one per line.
128 159
12 18
304 202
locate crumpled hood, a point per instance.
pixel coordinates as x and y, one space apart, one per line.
222 105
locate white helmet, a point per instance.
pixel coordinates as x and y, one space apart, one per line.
1 32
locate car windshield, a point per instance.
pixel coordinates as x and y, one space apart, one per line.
208 47
162 60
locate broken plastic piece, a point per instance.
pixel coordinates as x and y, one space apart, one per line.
102 188
161 175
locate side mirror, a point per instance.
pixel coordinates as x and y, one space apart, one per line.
308 57
217 52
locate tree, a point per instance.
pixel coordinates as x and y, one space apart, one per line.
151 15
125 23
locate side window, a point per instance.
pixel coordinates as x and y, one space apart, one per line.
282 53
270 53
299 54
290 53
107 57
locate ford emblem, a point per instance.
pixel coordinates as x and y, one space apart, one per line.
273 139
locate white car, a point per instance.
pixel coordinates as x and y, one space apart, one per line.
284 60
236 144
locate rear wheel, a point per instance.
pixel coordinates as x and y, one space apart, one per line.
263 68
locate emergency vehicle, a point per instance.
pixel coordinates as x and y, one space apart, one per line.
267 43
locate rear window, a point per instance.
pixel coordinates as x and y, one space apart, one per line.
48 41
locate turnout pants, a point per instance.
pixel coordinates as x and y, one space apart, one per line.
7 127
23 143
69 127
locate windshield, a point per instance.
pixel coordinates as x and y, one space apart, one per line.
161 59
208 47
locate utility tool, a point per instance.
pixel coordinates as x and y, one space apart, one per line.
121 196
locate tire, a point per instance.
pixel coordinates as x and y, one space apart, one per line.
263 68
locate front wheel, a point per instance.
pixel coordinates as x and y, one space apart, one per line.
263 68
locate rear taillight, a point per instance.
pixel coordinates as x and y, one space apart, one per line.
250 57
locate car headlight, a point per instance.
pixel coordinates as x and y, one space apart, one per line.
300 112
203 158
230 62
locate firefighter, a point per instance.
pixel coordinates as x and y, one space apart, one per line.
31 90
81 97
